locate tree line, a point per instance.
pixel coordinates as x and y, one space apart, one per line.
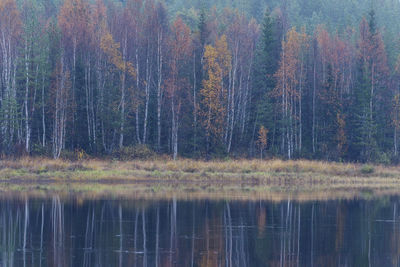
102 76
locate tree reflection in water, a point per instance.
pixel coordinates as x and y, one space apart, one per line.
75 232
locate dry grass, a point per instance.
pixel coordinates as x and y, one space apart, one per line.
259 173
249 167
238 179
186 166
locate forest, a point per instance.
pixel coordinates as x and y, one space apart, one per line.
201 79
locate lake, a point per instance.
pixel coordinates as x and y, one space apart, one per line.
74 231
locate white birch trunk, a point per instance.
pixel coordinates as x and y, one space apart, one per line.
43 115
122 103
26 108
194 102
313 108
147 91
139 141
159 88
232 105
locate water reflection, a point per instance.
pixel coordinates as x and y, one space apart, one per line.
73 232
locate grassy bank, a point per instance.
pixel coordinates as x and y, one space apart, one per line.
272 170
188 178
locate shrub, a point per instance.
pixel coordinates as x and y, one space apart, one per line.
133 152
190 169
52 167
76 155
68 155
367 169
39 150
80 154
383 158
78 167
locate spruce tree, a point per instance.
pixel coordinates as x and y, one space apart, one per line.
265 66
362 129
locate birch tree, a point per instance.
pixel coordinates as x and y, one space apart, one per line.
61 95
180 45
10 32
216 66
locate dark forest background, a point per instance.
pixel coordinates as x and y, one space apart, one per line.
292 78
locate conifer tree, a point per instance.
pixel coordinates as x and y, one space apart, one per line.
264 69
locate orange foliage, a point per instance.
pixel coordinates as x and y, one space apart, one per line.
180 44
288 72
10 22
371 51
74 20
98 23
324 44
262 140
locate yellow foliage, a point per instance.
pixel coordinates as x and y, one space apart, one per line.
262 137
111 49
288 74
217 66
223 55
213 110
262 140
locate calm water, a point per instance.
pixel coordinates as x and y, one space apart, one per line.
74 232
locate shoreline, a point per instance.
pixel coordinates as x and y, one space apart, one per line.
236 179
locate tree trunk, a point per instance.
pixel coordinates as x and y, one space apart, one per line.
73 89
87 82
371 102
245 100
301 109
232 105
313 105
174 129
139 141
159 88
60 113
27 127
395 141
43 115
194 104
122 103
147 91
